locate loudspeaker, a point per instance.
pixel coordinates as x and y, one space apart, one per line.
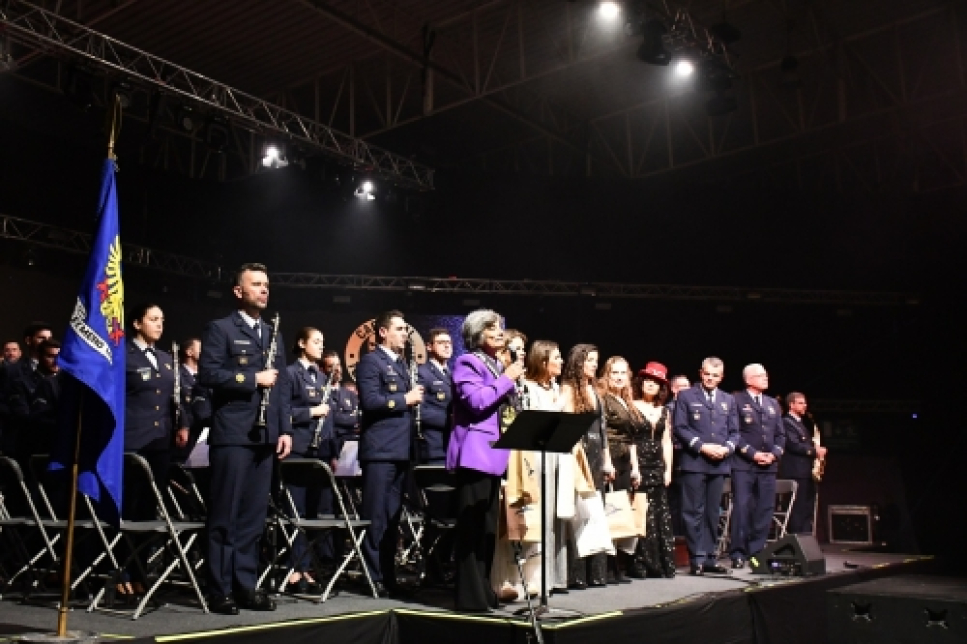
794 555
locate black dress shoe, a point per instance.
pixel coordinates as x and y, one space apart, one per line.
715 569
577 584
254 600
621 578
597 583
222 605
612 578
696 570
738 563
559 591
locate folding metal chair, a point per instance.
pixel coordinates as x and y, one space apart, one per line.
175 537
310 472
435 484
785 489
725 519
86 521
23 525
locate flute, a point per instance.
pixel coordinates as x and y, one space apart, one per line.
269 361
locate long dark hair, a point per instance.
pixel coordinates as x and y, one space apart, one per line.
538 358
574 375
660 397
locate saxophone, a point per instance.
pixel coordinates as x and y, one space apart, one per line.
819 465
177 393
269 361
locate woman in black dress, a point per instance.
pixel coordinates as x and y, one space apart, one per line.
656 551
624 424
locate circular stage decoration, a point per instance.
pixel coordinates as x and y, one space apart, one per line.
363 340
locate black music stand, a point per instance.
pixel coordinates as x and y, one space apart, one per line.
545 431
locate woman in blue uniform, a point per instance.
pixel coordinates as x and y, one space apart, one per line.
152 425
310 413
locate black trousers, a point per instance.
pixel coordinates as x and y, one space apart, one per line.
383 483
475 538
241 479
701 503
801 516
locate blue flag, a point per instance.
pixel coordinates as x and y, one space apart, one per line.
92 361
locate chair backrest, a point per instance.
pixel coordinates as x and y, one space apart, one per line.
786 486
185 497
138 475
305 472
11 487
434 478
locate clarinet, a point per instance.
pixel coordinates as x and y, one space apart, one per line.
177 394
269 361
317 432
416 410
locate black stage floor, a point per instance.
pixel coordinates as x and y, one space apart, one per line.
735 608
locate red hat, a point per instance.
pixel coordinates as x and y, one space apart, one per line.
655 370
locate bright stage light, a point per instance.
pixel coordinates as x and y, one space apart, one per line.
684 68
365 191
273 158
609 10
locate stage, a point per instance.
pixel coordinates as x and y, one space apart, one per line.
736 608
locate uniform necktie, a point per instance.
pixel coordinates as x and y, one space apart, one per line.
758 400
711 396
152 358
312 374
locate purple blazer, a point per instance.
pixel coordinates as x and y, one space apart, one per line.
477 396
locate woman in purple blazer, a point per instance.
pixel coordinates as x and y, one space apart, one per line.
481 388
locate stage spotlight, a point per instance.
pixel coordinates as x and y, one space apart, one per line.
274 158
365 191
125 94
609 10
186 119
216 135
684 68
652 49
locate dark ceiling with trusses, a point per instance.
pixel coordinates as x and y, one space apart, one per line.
876 94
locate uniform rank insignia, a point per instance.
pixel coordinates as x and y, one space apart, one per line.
391 404
772 412
167 366
441 396
243 360
697 416
392 386
145 373
725 407
312 392
239 377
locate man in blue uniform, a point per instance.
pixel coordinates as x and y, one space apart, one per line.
13 378
706 426
386 397
754 465
434 377
343 401
195 399
797 464
235 366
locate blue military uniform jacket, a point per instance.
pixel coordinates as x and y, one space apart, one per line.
698 421
760 430
196 401
345 404
386 427
435 410
34 404
232 353
149 401
797 463
304 394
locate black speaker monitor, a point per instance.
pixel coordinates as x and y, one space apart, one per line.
793 555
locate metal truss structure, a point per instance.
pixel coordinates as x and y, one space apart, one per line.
68 240
49 33
831 406
871 109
